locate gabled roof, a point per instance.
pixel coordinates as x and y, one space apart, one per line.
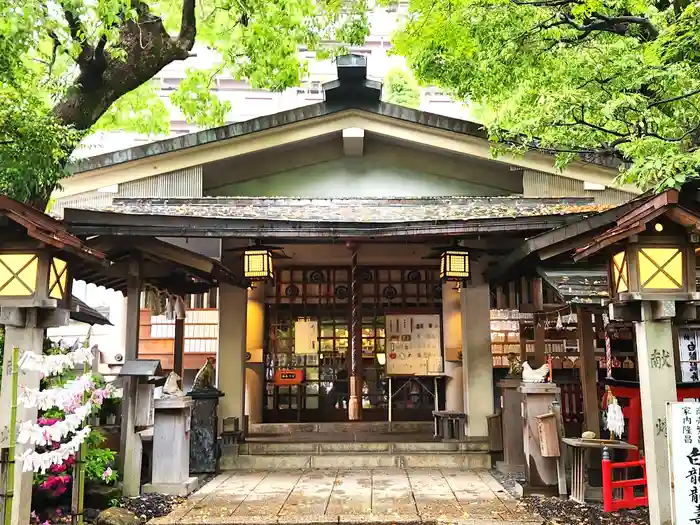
351 96
29 221
636 221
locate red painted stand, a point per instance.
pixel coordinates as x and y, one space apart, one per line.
629 500
633 411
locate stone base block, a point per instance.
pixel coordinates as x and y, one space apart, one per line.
507 468
173 489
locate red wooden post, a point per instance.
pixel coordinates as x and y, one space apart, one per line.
607 481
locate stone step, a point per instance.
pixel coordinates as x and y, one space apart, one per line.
267 448
382 427
355 460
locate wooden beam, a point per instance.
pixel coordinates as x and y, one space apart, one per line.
540 337
179 350
500 298
512 296
589 380
524 294
537 294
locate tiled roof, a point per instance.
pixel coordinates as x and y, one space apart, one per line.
359 210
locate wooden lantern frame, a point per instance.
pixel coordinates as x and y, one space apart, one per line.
455 265
257 264
652 267
35 277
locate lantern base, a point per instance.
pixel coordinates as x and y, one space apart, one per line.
628 297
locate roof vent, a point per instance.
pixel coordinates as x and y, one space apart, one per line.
352 84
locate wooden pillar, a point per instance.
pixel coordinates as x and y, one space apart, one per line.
179 347
540 341
28 337
355 403
500 298
657 386
537 294
131 448
589 377
512 296
524 291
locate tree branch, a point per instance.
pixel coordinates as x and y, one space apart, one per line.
188 29
618 25
77 33
582 121
674 99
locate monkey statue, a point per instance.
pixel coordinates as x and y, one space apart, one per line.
204 380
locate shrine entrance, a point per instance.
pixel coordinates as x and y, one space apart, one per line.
308 316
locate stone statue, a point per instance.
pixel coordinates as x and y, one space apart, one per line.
535 376
171 387
204 380
516 367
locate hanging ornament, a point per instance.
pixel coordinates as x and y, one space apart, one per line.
170 308
180 310
560 325
615 420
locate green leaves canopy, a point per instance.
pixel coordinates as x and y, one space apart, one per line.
71 66
401 88
615 80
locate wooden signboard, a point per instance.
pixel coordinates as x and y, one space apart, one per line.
683 431
289 377
413 345
305 336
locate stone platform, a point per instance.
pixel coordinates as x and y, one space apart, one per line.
333 496
361 445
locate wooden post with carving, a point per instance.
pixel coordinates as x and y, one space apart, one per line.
355 402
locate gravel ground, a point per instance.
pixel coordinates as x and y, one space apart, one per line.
555 511
148 506
566 512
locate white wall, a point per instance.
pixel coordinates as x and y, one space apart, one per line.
109 339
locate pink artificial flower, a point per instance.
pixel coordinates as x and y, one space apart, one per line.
58 468
33 514
59 512
107 474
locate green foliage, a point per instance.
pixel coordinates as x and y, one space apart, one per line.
401 88
33 146
617 80
99 460
74 66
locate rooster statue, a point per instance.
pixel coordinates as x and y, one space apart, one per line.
535 376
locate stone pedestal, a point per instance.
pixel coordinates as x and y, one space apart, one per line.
477 359
204 428
541 473
657 386
171 448
511 415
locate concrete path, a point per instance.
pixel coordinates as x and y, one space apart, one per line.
323 497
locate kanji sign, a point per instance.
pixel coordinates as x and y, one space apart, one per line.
683 427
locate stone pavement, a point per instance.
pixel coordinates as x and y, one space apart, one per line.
323 497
